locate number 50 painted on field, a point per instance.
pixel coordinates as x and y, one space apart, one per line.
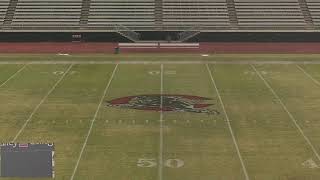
171 163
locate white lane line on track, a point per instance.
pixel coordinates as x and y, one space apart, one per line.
92 122
229 125
288 112
13 75
41 102
309 75
160 167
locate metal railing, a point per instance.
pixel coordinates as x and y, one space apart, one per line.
185 35
126 32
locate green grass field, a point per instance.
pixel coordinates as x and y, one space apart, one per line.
267 127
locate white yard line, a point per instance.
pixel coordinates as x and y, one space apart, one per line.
93 121
162 62
309 75
229 125
160 169
41 102
288 112
12 76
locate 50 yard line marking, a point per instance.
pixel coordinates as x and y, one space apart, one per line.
92 121
160 169
229 125
13 75
287 111
41 102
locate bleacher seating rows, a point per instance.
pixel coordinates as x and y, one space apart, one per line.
35 13
184 14
277 14
176 15
3 9
314 8
132 14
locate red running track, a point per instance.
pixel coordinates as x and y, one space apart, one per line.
237 47
54 47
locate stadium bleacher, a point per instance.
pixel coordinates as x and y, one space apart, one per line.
184 14
314 9
136 14
47 14
273 14
3 9
163 15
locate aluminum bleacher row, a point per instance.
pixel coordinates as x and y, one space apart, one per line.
184 14
136 14
3 9
174 15
314 8
47 13
277 14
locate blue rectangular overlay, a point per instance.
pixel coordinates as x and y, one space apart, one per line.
27 160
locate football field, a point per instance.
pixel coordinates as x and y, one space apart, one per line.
167 121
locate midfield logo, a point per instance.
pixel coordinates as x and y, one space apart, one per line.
170 102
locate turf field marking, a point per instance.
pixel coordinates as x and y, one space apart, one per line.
288 112
41 102
13 75
161 62
62 72
229 124
151 162
146 162
170 72
174 163
308 75
58 72
92 122
154 72
310 164
160 169
165 72
164 62
253 73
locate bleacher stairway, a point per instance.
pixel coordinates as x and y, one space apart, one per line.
85 10
232 14
158 15
10 13
306 13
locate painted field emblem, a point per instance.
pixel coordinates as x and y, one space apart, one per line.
171 102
